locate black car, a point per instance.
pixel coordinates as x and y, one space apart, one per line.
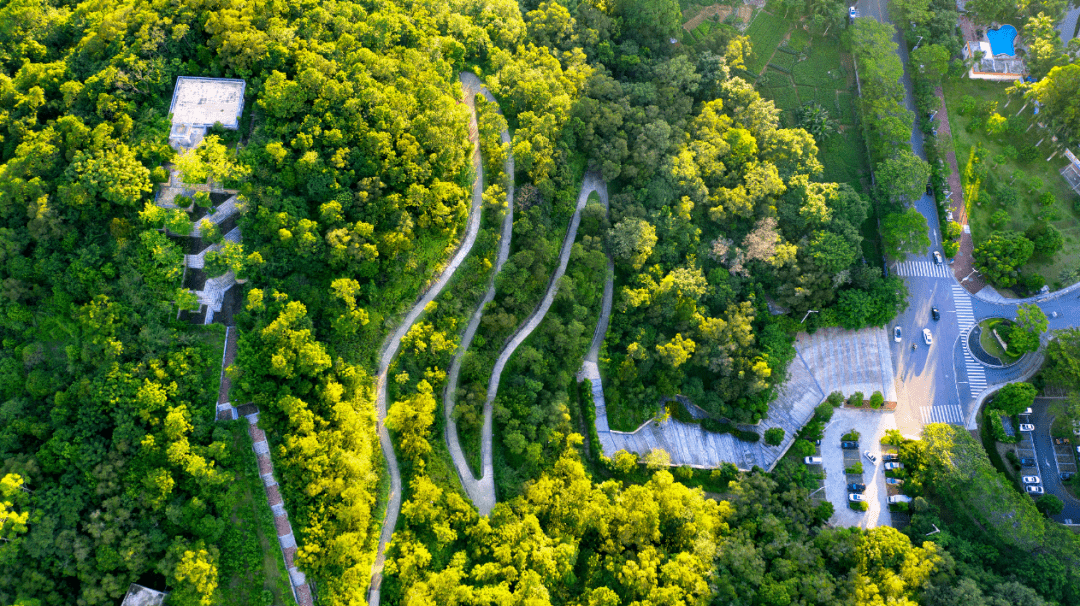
1067 475
856 487
890 458
1027 462
849 445
935 314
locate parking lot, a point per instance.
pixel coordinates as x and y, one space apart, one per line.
871 427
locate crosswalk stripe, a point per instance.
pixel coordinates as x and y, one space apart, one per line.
950 413
924 269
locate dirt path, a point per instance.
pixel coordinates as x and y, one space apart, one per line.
964 263
393 344
477 490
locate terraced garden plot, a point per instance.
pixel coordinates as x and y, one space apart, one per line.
766 32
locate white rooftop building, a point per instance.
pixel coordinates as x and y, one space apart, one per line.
199 103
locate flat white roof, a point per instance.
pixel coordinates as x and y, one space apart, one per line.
204 101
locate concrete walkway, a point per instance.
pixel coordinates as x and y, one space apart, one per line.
393 344
829 360
481 491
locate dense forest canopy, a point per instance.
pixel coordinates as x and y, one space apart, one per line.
352 164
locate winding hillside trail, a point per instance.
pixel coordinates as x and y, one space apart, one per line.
590 368
474 488
393 342
482 490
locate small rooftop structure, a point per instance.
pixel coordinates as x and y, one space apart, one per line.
990 67
199 103
1072 172
137 595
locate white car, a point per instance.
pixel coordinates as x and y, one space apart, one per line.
1031 480
1027 427
899 498
851 13
1033 489
894 466
855 497
937 257
896 335
927 336
1027 411
812 460
872 458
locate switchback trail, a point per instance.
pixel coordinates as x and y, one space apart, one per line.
393 343
476 489
482 490
590 368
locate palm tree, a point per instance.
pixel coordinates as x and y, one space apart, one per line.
814 119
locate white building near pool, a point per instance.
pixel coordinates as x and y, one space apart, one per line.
990 67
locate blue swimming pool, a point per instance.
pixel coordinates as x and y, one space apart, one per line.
1001 40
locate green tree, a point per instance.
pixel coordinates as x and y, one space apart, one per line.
1047 239
1001 255
1030 324
1014 398
905 232
211 162
1063 359
913 11
632 241
1049 505
902 178
877 400
650 22
196 579
931 61
774 436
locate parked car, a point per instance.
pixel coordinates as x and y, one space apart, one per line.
872 458
894 466
899 498
890 457
849 445
896 334
1027 427
1030 480
1027 411
1030 462
927 336
1078 450
857 498
937 257
851 13
1033 489
894 481
1067 475
935 314
856 487
812 460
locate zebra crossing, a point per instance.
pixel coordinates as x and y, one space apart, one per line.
951 413
923 269
965 319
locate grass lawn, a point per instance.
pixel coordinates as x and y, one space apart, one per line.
991 344
981 197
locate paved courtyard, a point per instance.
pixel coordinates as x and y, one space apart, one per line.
871 427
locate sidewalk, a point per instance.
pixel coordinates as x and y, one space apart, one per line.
964 263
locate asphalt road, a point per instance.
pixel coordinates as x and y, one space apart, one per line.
1046 460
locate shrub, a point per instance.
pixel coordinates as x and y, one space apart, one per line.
210 231
803 448
203 199
877 400
901 507
1047 199
950 248
179 223
997 428
855 469
999 219
824 411
684 473
835 398
1015 460
858 506
159 175
774 436
851 436
856 399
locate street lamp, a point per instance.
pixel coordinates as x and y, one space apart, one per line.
917 44
812 311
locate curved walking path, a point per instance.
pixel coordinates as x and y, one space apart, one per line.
477 491
393 344
482 490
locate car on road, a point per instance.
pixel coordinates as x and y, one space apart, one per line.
1030 479
851 13
872 458
856 487
890 457
812 460
1027 427
896 335
937 257
935 314
889 466
1032 489
899 498
1030 462
856 498
894 481
929 338
849 445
